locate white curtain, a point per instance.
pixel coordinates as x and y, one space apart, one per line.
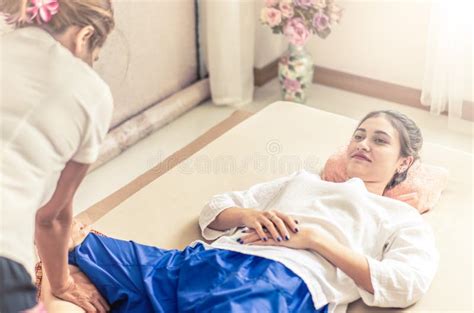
226 38
447 79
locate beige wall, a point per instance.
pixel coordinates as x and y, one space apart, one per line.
380 39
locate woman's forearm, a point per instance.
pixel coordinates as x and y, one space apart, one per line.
354 264
52 240
229 218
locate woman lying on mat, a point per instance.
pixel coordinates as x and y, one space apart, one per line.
294 244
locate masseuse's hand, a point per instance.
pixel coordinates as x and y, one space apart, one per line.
83 293
272 223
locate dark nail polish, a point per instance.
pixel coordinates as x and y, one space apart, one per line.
239 240
297 222
278 238
265 238
296 229
287 238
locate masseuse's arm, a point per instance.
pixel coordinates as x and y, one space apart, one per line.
52 234
53 225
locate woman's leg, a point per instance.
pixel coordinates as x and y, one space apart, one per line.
226 281
130 276
138 278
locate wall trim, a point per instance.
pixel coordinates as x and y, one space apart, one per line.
265 74
361 85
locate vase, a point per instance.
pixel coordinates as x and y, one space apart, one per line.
295 73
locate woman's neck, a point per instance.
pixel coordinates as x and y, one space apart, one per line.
375 187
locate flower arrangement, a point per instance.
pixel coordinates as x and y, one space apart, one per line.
297 19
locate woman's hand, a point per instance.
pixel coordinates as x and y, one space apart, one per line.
274 223
306 238
83 293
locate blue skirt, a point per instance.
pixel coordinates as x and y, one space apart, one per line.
139 278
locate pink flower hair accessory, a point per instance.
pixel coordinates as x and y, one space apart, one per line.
42 10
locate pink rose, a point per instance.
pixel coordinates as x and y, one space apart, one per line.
320 21
291 84
271 16
304 3
296 31
286 10
270 3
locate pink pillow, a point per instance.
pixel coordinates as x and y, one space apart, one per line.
421 189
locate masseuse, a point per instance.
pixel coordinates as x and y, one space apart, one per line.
55 112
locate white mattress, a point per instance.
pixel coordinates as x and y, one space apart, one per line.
165 212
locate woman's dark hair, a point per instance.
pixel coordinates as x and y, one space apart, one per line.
411 139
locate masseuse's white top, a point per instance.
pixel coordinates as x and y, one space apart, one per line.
54 108
397 243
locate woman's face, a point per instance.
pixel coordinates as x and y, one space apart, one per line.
374 152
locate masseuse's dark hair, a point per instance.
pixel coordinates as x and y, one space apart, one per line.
411 139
